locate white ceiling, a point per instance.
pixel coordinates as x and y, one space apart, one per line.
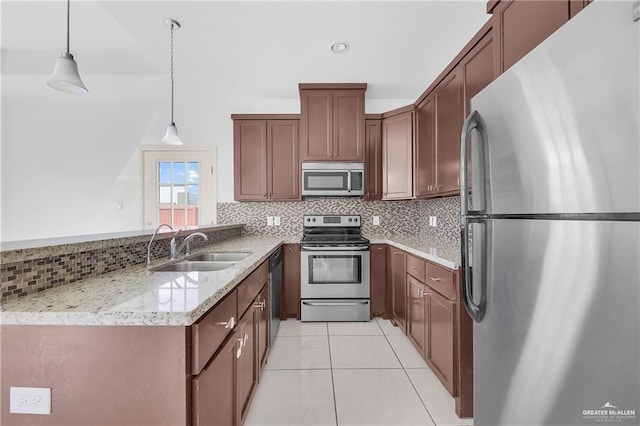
241 53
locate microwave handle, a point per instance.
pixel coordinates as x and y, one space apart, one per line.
349 181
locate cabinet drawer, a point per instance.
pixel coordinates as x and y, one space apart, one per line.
416 268
441 280
210 331
251 286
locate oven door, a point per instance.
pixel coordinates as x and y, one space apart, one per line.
337 273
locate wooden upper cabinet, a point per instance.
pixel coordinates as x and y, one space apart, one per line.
316 111
266 158
250 159
525 23
332 122
576 6
373 162
448 125
479 67
397 155
283 159
425 149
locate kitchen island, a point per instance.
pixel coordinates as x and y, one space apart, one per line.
129 347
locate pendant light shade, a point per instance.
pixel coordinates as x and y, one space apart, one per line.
171 136
65 76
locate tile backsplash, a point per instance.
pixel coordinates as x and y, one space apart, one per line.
396 217
55 268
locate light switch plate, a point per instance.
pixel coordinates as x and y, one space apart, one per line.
376 220
269 220
276 220
29 400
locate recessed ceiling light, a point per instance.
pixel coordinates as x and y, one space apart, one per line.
340 47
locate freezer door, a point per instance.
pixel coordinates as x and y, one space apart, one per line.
562 124
559 341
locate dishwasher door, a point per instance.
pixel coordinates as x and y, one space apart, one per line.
275 277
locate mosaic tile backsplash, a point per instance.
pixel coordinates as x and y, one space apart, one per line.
396 217
20 278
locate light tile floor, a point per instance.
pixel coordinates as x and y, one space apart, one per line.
348 374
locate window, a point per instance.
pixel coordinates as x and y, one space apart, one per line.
178 188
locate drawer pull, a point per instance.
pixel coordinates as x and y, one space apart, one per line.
243 341
229 324
260 305
435 279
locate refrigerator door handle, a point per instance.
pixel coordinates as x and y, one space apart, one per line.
473 122
475 310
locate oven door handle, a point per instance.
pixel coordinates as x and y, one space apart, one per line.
363 302
312 248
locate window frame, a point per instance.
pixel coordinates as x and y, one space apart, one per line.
150 155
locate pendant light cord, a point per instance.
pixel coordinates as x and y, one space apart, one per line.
68 7
171 69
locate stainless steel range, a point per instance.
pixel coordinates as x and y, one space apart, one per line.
334 282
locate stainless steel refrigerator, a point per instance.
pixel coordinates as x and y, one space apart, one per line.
552 272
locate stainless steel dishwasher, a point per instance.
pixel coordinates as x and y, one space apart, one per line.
275 277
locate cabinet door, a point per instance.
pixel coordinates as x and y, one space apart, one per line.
576 6
378 280
441 323
250 160
398 283
284 159
290 281
416 316
348 125
397 161
373 164
246 372
525 24
425 148
316 120
448 103
214 390
262 308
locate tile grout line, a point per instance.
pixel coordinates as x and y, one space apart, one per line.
407 374
333 385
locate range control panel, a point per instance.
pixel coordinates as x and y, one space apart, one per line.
332 220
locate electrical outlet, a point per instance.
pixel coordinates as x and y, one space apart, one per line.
276 220
29 400
376 220
435 221
269 220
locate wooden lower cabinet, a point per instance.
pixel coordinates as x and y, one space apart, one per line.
440 327
290 282
417 314
262 322
378 274
246 371
217 382
223 390
398 267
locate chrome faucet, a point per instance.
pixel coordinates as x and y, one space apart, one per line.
151 241
185 242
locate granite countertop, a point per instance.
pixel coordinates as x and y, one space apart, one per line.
443 253
135 296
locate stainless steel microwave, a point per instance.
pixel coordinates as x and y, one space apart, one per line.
332 179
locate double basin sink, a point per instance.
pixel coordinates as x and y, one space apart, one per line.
210 261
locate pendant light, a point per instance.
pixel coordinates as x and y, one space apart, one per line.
171 136
65 76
